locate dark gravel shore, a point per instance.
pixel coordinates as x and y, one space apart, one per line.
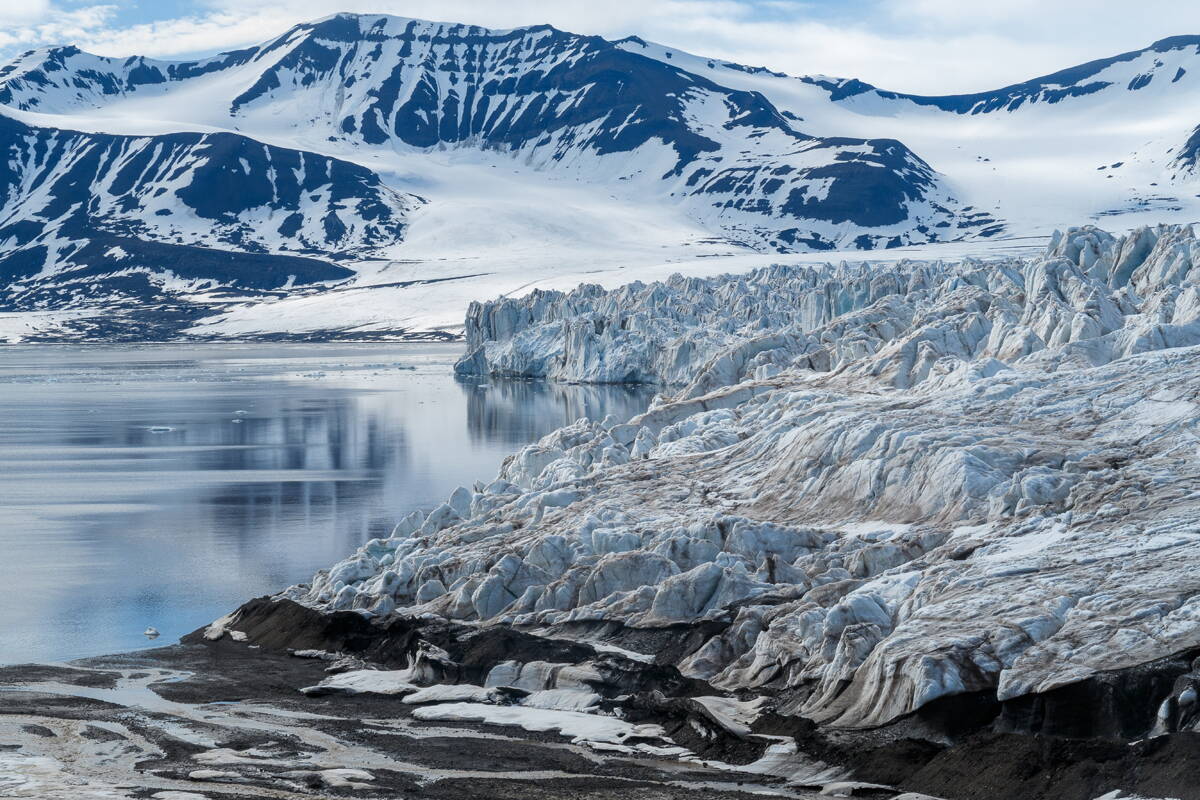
225 721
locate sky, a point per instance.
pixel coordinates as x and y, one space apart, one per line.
921 46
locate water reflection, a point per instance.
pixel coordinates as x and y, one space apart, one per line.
163 485
513 412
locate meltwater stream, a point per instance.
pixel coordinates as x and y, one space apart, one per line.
164 485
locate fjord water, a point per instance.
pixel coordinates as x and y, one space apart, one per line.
163 485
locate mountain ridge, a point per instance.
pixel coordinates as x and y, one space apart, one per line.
532 146
1011 96
576 93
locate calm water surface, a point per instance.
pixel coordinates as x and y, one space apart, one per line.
164 485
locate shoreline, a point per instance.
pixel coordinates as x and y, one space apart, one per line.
222 720
227 718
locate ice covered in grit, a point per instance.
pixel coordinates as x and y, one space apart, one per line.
880 487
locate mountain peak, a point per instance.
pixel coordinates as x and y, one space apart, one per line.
1175 43
346 25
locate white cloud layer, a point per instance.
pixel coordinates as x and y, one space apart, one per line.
927 46
24 12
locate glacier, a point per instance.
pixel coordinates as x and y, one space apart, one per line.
919 522
1098 297
935 480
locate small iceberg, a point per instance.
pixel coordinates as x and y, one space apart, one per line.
160 429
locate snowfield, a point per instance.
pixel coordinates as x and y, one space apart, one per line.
870 489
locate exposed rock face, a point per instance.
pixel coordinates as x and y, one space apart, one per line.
94 214
873 490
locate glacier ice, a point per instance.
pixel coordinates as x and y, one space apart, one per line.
874 487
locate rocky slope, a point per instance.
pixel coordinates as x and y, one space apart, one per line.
961 496
101 216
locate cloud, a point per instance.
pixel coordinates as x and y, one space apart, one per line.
185 36
926 46
43 24
26 12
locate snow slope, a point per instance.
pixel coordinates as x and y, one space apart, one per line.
554 100
1112 140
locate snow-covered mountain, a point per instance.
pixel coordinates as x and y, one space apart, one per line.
1113 138
376 154
86 204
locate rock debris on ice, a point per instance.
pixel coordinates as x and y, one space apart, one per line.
881 487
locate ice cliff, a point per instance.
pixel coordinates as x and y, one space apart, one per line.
871 487
896 318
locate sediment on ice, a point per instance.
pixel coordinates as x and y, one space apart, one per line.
952 500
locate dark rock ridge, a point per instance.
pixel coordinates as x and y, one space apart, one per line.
1077 81
1076 743
94 215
